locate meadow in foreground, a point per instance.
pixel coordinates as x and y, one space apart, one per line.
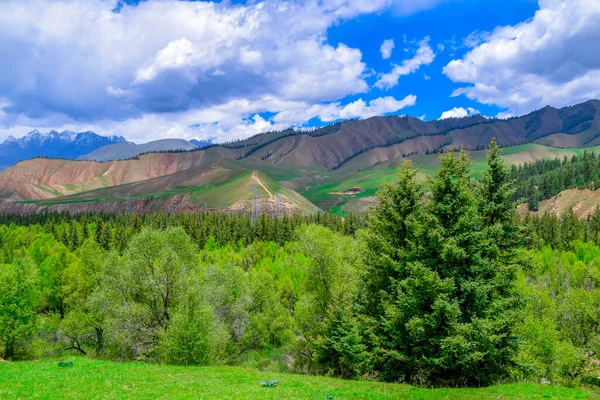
93 379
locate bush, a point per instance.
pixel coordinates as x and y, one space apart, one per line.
193 337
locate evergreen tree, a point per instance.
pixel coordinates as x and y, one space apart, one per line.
388 231
447 289
570 229
549 230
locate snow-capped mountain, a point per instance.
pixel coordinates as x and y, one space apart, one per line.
65 144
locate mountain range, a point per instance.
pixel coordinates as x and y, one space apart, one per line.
311 169
84 146
65 144
126 150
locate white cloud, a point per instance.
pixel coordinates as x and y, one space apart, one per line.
386 48
334 111
476 38
177 54
459 112
162 66
505 115
423 56
554 58
231 120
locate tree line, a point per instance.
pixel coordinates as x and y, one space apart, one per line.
114 231
543 179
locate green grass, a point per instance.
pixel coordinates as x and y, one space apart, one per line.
373 177
61 200
237 187
93 379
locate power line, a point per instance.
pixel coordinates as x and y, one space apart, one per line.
128 210
254 211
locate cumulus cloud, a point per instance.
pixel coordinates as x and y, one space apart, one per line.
184 69
177 54
74 63
554 58
459 112
386 48
334 111
423 56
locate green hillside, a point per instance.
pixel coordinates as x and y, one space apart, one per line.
373 177
223 188
101 379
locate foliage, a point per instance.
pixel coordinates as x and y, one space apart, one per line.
328 339
439 288
445 286
543 179
18 297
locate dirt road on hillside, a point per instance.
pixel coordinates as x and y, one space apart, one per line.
261 183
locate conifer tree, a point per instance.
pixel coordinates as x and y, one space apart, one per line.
570 229
448 303
387 235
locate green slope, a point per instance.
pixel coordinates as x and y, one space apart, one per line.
92 379
223 188
372 178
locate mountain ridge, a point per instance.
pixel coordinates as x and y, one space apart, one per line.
298 160
124 151
65 144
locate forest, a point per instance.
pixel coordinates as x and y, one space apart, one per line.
544 179
440 284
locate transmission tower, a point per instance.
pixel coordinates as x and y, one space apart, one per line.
128 210
278 204
254 211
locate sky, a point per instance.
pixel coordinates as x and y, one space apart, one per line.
227 70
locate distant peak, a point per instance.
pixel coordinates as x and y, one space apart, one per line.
119 139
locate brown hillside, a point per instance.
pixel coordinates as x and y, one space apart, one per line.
581 201
42 178
338 144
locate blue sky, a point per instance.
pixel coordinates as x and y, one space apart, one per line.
166 68
447 24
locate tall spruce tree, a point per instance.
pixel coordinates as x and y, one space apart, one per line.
387 235
444 276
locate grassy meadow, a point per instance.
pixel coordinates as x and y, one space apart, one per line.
96 379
